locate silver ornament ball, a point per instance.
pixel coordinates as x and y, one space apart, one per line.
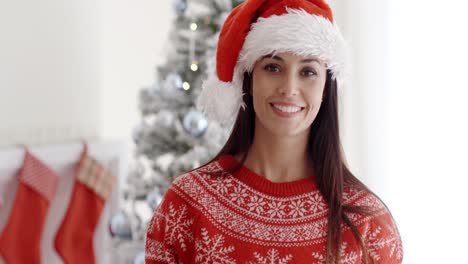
180 6
137 132
153 199
120 226
139 258
195 123
173 81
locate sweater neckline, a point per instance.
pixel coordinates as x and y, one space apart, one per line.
262 184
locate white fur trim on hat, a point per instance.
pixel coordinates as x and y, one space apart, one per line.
297 32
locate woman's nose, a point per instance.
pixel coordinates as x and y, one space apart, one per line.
289 87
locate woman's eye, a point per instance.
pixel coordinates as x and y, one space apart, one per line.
272 68
309 72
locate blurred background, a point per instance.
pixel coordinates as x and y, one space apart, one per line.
123 76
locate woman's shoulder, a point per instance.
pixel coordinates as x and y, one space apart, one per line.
189 186
364 198
372 211
377 225
211 169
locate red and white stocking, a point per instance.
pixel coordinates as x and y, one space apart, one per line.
21 237
92 186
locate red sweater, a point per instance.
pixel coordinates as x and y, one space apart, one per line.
245 218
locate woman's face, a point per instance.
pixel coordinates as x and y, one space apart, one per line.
287 92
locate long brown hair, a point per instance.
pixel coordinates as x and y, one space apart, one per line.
325 151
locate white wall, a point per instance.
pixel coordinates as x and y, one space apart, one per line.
405 127
71 69
49 70
363 99
428 127
133 39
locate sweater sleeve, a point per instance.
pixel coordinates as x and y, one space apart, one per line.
169 231
381 237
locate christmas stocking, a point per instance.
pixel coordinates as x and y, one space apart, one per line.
93 185
20 240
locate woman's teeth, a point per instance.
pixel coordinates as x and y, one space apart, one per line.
287 109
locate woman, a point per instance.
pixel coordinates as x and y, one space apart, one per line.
279 191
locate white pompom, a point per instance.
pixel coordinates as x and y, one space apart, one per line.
220 101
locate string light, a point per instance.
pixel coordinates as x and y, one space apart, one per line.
186 86
194 66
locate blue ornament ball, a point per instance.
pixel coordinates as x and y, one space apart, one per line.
195 123
153 199
120 226
139 258
137 132
180 6
173 81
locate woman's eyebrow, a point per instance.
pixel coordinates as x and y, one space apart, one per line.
281 59
311 60
272 57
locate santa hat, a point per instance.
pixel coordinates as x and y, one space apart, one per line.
257 28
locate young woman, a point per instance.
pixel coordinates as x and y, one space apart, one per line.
279 191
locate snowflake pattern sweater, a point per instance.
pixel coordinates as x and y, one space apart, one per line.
245 218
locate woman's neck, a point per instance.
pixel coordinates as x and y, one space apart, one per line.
280 158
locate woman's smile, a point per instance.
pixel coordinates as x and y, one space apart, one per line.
285 110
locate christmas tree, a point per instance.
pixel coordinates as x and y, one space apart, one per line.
173 137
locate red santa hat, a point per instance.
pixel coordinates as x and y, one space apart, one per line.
257 28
